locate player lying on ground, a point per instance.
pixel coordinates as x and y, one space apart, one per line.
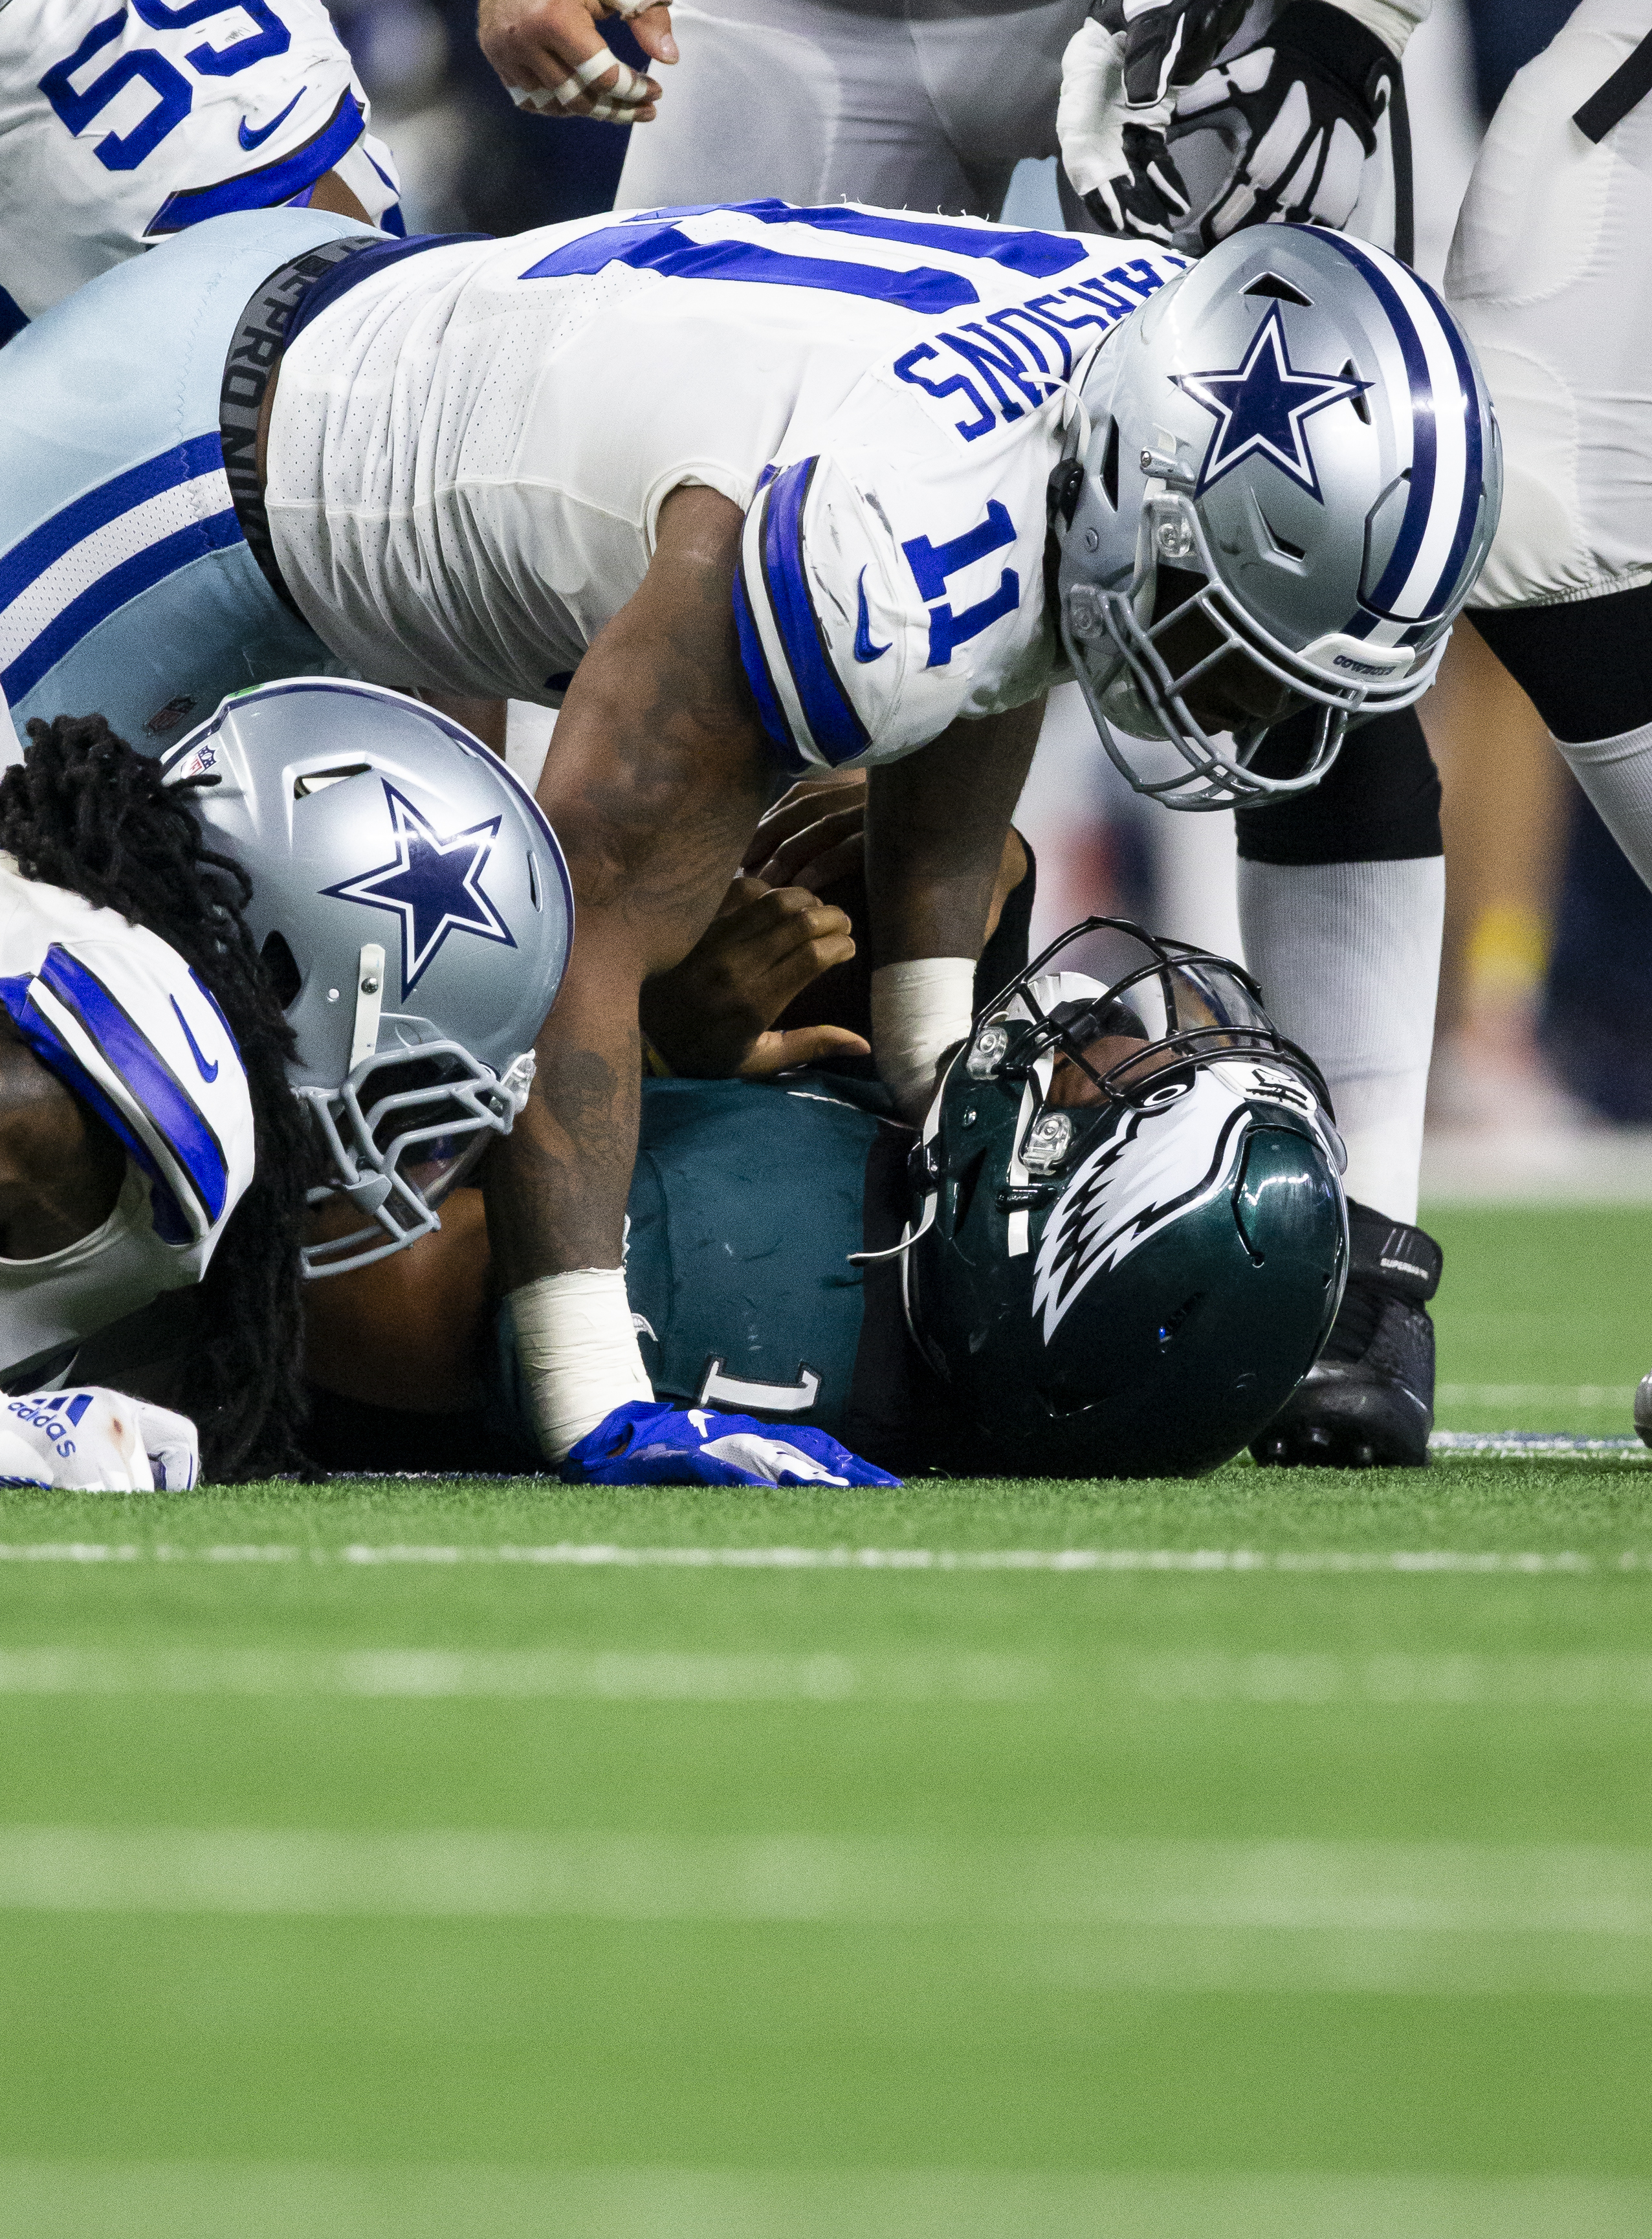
411 913
179 1076
1112 1249
778 484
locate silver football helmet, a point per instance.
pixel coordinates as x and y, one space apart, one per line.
1289 485
413 912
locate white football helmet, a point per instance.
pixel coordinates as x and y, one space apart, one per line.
414 911
1289 485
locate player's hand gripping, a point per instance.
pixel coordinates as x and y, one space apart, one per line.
95 1441
1119 77
712 1015
1297 116
549 57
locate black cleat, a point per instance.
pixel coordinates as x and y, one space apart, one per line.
1368 1401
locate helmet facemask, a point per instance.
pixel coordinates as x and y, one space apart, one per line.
1135 1042
1127 1235
398 1134
1154 653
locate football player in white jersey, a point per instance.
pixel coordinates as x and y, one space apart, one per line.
119 129
213 1082
777 484
141 1062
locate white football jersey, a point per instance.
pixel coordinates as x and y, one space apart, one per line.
120 126
470 447
121 1018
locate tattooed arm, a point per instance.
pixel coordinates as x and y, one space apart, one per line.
658 773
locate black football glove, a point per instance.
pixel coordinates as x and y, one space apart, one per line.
1118 82
1298 115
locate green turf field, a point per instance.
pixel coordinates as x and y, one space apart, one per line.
1255 1859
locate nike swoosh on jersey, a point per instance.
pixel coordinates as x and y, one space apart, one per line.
865 650
251 140
208 1073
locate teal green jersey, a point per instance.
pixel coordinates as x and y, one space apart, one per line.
747 1201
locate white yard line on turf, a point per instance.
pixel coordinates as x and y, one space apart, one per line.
536 1674
1352 1915
598 1555
1536 1395
431 2200
1606 1679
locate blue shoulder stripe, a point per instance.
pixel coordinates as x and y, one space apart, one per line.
271 182
56 1055
133 1056
837 730
754 662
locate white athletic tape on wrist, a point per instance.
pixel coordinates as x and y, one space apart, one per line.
919 1009
578 1352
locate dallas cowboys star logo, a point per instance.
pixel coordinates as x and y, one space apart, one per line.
433 884
1260 406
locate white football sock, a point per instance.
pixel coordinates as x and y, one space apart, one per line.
1616 774
1348 958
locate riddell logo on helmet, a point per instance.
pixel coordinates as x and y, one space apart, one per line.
1360 667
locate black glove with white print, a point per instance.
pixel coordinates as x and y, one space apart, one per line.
1298 118
1119 80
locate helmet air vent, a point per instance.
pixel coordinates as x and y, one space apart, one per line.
1110 466
1358 400
1282 544
282 968
1270 284
312 781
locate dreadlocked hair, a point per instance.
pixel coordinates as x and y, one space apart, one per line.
87 812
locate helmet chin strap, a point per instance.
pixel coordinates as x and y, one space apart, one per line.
909 1236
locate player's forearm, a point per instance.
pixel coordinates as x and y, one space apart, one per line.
656 779
936 827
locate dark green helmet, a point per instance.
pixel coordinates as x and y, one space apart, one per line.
1130 1235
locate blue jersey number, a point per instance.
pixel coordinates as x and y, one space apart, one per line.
655 243
932 563
173 94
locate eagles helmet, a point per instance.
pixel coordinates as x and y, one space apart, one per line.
413 912
1129 1239
1289 487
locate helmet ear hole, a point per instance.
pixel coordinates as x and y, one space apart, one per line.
1110 468
281 967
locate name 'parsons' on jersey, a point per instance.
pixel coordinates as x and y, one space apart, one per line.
483 434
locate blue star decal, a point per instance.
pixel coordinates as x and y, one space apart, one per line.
434 885
1260 406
